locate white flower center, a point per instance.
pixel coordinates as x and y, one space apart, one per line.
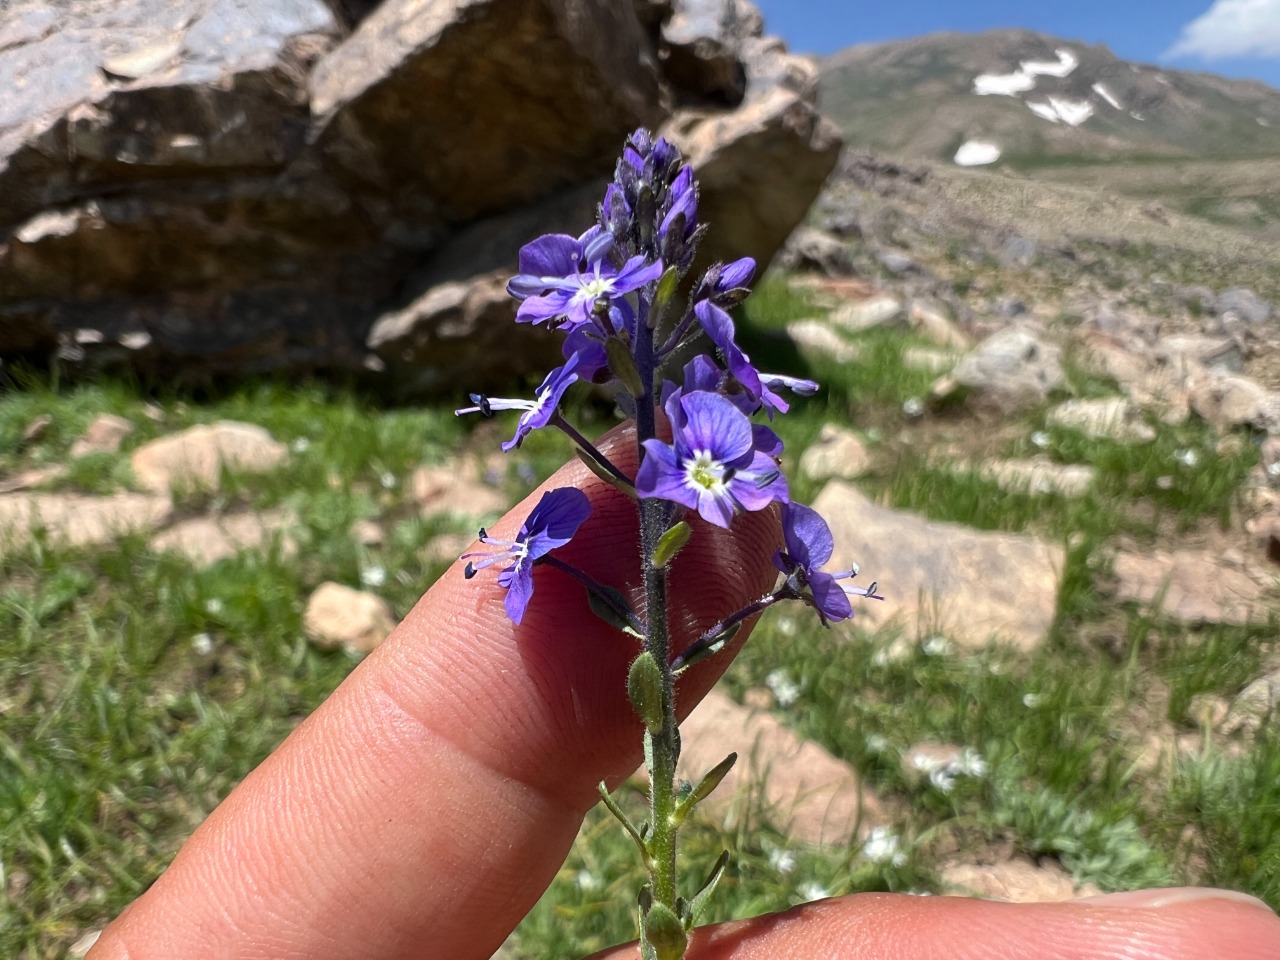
704 472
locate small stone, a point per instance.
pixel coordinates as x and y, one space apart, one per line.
206 540
78 520
838 452
446 547
1038 475
104 435
1227 401
1017 880
26 479
804 791
931 322
34 431
1110 417
338 616
196 457
1012 370
367 533
457 488
880 311
1208 710
817 339
1254 706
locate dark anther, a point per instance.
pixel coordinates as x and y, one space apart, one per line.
481 401
768 478
469 570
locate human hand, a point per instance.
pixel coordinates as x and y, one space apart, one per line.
422 810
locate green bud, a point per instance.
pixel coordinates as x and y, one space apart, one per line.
664 931
667 286
711 781
644 688
671 543
623 366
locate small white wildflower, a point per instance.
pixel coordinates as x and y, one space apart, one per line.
1188 458
1032 700
812 891
1164 483
783 861
936 646
588 881
883 846
970 763
387 479
300 445
785 690
373 576
787 626
1273 469
912 407
202 644
877 742
1040 438
213 606
943 779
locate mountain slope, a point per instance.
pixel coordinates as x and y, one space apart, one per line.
1040 101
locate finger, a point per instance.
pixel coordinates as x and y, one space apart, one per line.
1178 924
424 807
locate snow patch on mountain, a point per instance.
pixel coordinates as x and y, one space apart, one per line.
1105 94
1024 78
977 153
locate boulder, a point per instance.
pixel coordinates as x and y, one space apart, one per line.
77 520
103 435
1012 370
193 188
339 616
206 540
1191 587
838 452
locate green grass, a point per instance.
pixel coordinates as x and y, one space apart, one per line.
136 690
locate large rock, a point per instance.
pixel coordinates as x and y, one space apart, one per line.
192 188
339 616
1012 370
943 578
441 112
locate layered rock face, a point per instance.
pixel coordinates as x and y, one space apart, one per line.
196 188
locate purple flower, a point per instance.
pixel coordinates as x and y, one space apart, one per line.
808 546
712 465
759 387
538 411
552 524
573 280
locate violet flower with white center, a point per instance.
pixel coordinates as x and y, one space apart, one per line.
808 546
574 281
538 411
719 327
712 465
552 524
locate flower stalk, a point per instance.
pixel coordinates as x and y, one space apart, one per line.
612 292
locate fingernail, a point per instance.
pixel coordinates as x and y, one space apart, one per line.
1168 897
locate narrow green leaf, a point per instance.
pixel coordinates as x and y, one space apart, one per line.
697 906
707 784
711 648
612 806
623 366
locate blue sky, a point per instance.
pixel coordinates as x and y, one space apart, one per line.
1237 38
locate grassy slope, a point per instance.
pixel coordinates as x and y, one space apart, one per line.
137 691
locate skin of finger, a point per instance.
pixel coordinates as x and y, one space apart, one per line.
422 809
900 927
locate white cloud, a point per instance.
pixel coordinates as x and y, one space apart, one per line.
1232 28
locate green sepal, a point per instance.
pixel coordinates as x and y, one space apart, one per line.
611 606
612 806
644 689
663 295
623 366
705 786
665 931
697 906
671 543
712 648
